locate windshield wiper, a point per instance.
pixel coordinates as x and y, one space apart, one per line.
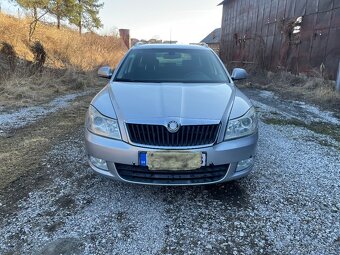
132 80
124 80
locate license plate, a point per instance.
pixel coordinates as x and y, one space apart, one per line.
172 160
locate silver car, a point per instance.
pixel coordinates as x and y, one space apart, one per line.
171 115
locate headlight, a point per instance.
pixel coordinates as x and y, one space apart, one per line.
101 125
243 126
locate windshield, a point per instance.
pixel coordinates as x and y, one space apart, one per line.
171 65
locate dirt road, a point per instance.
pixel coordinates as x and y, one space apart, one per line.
52 203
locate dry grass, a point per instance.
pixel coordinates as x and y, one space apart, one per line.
23 90
64 47
70 61
298 87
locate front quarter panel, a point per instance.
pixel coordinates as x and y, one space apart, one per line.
102 102
241 105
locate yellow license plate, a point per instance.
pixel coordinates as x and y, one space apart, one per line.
175 161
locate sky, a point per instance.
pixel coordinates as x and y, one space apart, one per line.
186 20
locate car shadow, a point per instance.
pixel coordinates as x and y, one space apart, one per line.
234 194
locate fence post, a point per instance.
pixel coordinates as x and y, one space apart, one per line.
337 88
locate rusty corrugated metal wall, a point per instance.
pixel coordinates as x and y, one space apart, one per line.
266 33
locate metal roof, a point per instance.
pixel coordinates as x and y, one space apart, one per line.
213 37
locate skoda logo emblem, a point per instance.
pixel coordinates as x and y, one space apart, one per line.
173 126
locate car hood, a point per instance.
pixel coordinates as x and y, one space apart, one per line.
141 102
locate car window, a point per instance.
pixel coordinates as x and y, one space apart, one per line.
171 65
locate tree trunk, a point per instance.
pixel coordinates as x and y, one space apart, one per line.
80 25
58 22
35 13
58 14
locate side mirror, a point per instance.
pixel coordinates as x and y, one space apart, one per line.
239 74
105 72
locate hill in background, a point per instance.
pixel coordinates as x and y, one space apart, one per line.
69 60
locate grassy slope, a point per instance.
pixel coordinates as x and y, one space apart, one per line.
70 62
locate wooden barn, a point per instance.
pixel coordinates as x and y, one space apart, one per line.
213 40
300 36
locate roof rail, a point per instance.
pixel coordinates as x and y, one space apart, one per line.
201 44
139 44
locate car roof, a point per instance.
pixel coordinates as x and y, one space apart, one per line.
170 46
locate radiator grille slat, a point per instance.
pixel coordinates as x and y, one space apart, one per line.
158 135
206 133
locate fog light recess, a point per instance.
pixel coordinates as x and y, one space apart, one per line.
100 163
244 164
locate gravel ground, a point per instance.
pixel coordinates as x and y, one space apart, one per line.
290 204
9 121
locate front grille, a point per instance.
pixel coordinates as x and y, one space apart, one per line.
199 176
158 135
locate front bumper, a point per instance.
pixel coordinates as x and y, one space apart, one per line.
115 153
